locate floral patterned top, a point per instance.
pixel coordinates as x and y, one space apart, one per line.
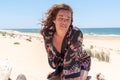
72 58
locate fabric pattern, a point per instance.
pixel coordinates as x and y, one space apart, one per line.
72 59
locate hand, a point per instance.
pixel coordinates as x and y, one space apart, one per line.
83 75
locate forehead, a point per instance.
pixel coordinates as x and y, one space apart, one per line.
63 13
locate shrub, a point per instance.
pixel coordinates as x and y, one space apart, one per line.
16 43
101 55
29 40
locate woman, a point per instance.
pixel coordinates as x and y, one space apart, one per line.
63 43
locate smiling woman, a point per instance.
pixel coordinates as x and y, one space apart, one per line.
63 43
62 21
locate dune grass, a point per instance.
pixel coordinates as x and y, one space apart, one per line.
101 55
29 39
16 43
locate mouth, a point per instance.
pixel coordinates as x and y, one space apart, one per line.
63 26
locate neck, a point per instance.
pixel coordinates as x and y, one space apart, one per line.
60 34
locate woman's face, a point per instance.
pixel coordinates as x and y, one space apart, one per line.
62 21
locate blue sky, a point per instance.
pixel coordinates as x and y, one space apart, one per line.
87 13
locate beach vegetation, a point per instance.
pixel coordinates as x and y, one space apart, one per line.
12 35
91 47
16 43
3 33
29 39
101 55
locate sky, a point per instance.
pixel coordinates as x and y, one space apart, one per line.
87 13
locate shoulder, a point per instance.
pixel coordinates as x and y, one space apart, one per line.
77 31
76 34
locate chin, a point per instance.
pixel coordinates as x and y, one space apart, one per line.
64 30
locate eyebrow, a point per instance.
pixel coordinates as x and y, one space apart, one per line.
62 16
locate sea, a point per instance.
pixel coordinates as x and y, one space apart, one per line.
89 31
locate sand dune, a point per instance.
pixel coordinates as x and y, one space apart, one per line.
26 54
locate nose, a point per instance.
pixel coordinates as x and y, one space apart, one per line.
64 21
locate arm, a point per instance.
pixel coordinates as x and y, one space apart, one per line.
85 65
76 59
51 57
48 46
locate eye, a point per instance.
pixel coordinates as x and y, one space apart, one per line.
68 19
60 19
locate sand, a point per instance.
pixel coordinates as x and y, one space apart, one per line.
110 44
26 55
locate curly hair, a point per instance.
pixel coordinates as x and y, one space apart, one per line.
51 15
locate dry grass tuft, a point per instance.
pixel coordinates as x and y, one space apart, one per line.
99 53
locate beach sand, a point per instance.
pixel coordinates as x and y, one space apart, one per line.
110 44
26 55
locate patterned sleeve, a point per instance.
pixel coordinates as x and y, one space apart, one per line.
51 57
76 58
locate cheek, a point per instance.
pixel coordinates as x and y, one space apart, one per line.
56 22
68 24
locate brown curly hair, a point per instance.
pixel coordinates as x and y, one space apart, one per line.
51 15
